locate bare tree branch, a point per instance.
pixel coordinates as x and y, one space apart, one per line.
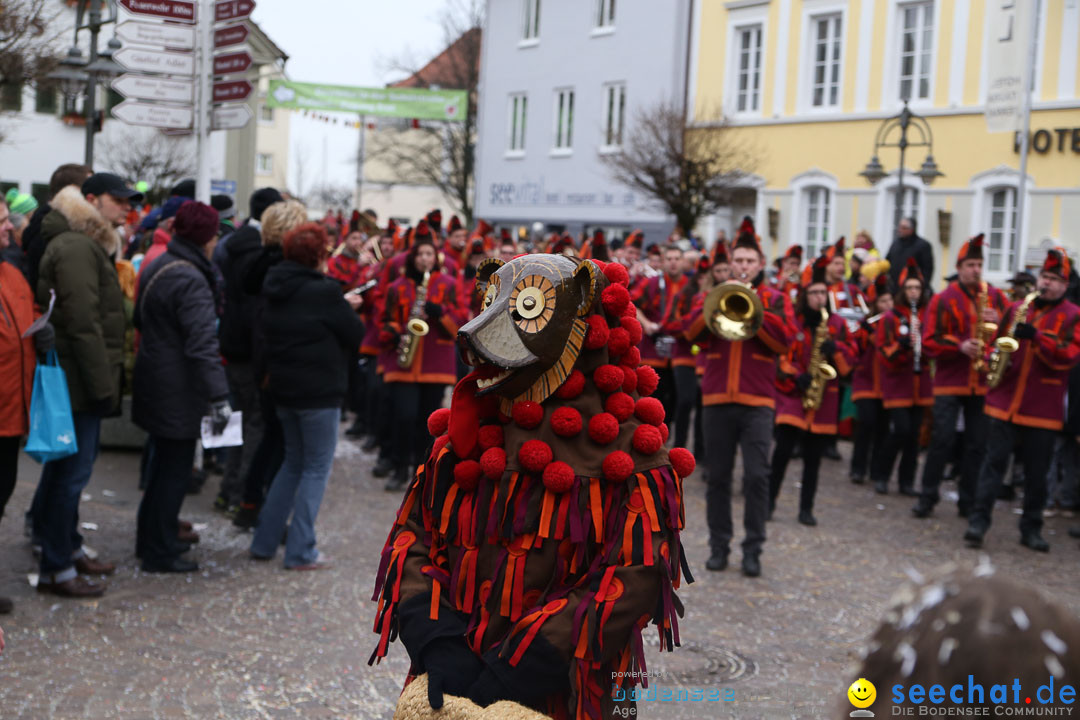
157 159
28 34
691 174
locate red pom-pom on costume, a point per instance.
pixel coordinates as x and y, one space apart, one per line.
632 326
682 461
617 466
527 414
596 336
629 383
607 378
647 380
438 422
620 405
439 444
573 385
467 474
631 358
618 341
649 410
534 455
603 428
662 427
558 477
629 311
493 463
615 298
617 274
647 439
490 436
566 422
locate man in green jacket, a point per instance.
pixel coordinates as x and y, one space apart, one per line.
78 265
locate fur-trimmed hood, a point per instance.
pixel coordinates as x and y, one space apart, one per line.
81 217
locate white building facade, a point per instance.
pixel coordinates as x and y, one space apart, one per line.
561 84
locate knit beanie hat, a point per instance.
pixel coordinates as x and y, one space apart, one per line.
197 223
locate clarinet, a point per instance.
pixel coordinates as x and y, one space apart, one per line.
916 339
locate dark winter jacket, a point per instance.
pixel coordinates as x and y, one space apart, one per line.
310 334
911 246
242 250
32 244
89 312
178 370
253 284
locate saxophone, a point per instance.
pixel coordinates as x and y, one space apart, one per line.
820 371
984 331
416 327
1007 344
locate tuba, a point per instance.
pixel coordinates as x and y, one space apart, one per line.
1007 344
820 371
415 328
733 311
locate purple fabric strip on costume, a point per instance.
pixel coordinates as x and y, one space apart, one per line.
639 655
380 576
522 505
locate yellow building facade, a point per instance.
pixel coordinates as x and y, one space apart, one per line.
804 85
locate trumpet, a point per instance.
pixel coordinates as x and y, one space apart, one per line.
733 311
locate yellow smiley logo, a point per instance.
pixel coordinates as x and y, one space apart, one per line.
862 693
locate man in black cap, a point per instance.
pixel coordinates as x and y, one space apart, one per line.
78 266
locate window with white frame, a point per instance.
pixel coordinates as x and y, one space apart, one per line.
605 14
1001 225
518 112
563 131
909 208
916 50
825 63
614 114
266 113
264 164
530 19
748 92
818 203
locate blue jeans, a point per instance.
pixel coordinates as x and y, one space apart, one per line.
297 489
56 504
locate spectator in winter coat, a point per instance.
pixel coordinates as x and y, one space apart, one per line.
178 379
310 331
33 243
163 234
16 367
908 244
81 239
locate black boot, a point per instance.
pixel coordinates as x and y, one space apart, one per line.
247 516
383 467
881 487
717 562
807 518
398 480
357 429
751 565
857 479
973 537
830 452
1032 539
370 444
923 508
908 491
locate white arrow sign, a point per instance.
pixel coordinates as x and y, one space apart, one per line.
146 87
159 116
231 117
154 61
181 37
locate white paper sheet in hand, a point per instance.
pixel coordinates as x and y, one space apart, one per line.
231 437
40 322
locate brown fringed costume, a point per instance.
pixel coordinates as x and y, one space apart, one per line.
541 536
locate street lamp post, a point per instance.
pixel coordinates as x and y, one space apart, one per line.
904 122
78 77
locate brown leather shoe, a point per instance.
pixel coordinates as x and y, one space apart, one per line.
77 587
87 566
187 536
184 524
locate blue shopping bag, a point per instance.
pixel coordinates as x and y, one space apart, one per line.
52 427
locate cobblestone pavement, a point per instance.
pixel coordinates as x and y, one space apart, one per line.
248 640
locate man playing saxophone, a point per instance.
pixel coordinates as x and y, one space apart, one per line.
808 397
1027 407
951 337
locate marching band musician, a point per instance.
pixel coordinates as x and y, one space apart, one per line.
1028 402
842 294
905 383
381 247
454 248
871 427
787 280
739 396
950 337
416 386
657 301
798 377
683 361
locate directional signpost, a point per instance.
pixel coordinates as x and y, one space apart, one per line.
149 115
231 117
166 63
179 37
232 90
232 35
182 10
233 10
145 87
231 63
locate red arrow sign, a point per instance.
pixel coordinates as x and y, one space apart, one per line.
183 10
230 63
233 9
232 35
231 90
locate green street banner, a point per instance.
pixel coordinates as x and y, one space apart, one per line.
448 105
